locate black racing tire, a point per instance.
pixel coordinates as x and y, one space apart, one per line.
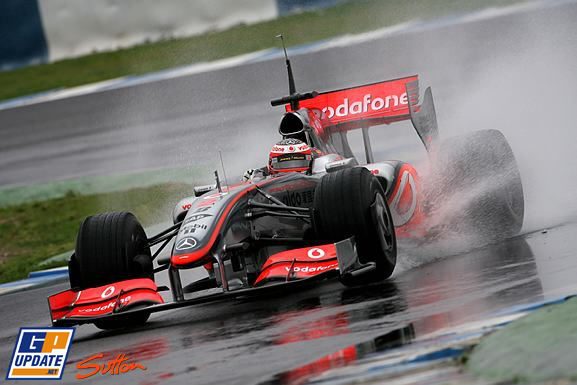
111 247
482 165
351 202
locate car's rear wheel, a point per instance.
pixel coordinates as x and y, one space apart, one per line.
111 247
351 202
480 169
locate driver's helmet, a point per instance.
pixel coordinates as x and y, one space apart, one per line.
290 155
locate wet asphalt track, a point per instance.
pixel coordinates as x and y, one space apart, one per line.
175 122
286 338
241 342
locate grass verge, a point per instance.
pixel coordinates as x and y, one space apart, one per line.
33 232
10 196
538 348
348 18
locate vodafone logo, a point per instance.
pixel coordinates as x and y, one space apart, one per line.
110 305
315 253
108 292
388 99
312 269
289 149
367 104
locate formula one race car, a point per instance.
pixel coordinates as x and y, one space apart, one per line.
313 213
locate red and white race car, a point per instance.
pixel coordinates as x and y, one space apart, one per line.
315 212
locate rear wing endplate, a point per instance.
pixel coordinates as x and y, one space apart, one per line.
423 117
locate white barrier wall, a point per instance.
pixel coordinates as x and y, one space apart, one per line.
78 27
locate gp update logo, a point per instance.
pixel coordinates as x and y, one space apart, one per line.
40 354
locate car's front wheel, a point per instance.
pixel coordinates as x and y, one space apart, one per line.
111 247
351 202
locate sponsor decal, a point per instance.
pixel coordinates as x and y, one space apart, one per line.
187 206
109 306
208 203
121 364
296 198
200 226
281 149
379 100
40 354
108 292
196 217
309 269
192 227
285 158
216 196
369 103
316 253
186 243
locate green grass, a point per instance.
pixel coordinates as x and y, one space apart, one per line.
33 232
10 196
349 18
536 349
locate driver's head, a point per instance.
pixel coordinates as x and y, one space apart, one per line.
290 155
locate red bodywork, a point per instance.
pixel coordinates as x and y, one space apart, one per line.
363 106
405 203
298 263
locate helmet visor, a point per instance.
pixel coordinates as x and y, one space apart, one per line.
289 161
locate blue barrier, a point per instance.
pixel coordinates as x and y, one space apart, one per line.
286 7
22 39
58 271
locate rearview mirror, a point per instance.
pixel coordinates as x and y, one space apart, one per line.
201 190
341 164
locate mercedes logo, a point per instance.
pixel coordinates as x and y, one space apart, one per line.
186 243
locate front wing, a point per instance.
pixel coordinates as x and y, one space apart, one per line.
141 296
119 313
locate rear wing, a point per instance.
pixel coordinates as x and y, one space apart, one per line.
377 104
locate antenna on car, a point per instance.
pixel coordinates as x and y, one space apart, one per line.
223 170
217 180
294 97
291 79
